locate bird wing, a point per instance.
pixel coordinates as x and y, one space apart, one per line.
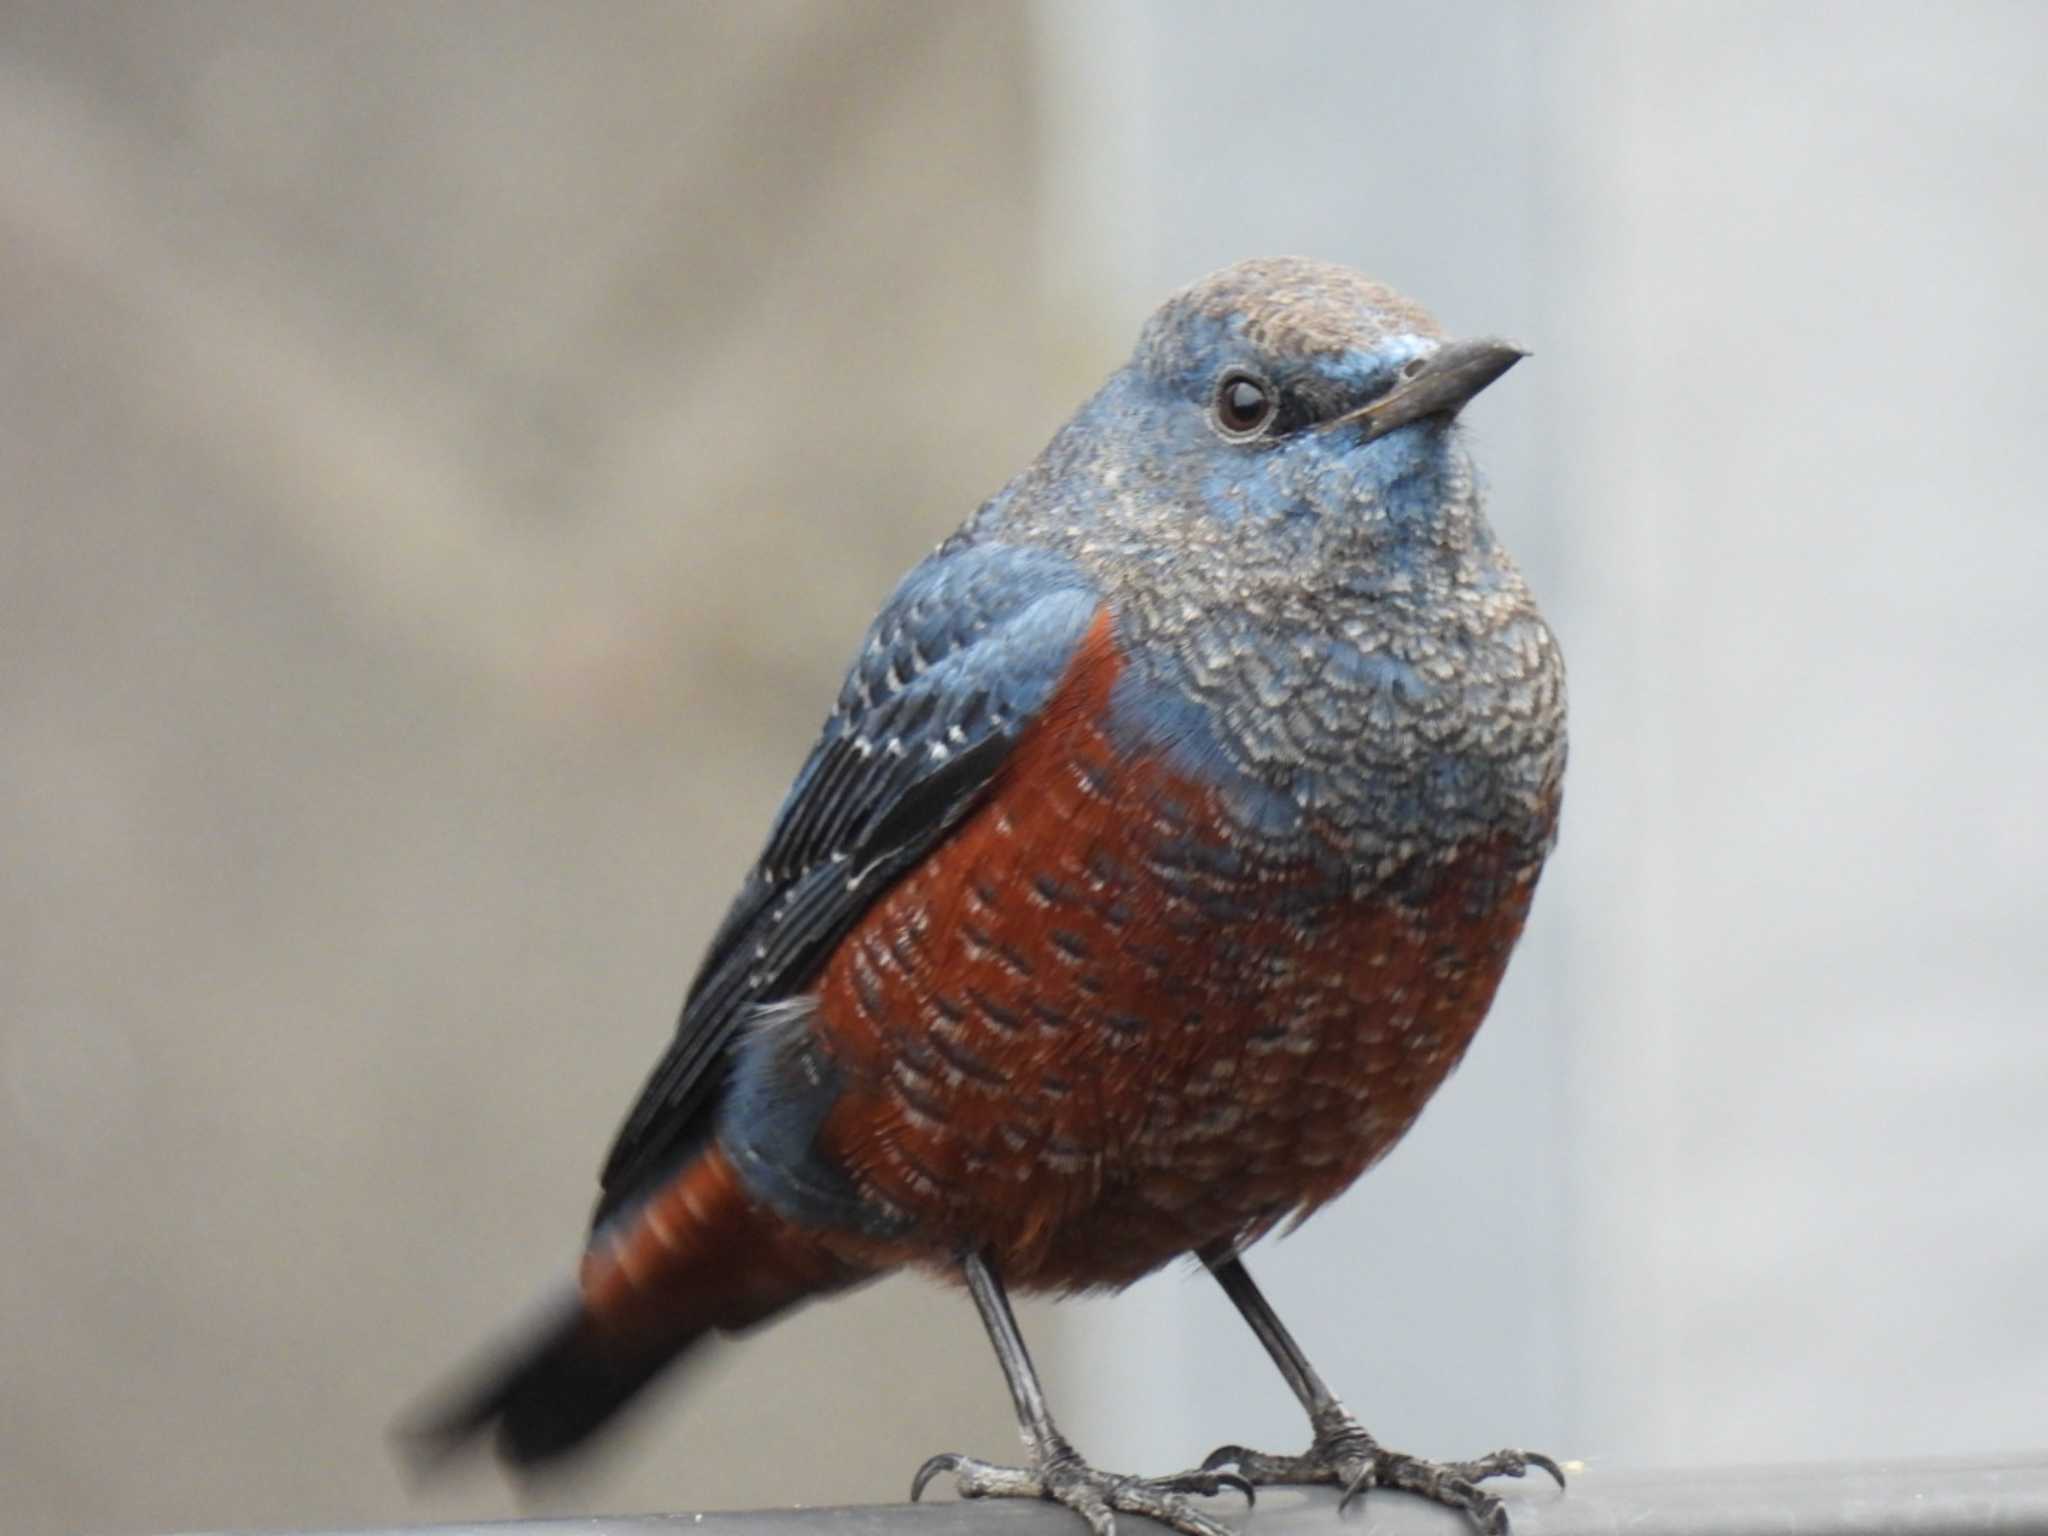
964 655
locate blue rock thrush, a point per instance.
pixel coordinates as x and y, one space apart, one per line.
1159 859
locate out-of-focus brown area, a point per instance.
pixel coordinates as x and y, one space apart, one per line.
450 453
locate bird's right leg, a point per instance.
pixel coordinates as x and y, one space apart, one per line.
1057 1471
1341 1451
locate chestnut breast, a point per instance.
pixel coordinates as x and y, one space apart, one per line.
1091 1031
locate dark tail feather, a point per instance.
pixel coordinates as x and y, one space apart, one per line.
544 1391
697 1255
693 1258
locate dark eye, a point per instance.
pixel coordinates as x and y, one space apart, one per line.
1244 405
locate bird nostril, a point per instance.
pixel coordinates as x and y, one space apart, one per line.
1412 367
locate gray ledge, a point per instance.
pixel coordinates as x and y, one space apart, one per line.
1927 1498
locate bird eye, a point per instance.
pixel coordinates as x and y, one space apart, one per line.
1245 405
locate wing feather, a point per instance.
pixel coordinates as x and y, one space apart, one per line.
970 648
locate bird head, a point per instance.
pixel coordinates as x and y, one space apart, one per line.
1287 389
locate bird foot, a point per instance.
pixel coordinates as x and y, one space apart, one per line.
1344 1454
1097 1497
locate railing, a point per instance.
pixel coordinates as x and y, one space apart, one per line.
1925 1498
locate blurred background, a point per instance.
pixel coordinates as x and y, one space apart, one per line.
451 451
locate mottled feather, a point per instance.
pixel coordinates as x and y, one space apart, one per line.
959 661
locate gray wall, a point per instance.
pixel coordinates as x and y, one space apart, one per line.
1746 1165
452 449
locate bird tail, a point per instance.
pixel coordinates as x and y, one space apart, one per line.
541 1392
699 1255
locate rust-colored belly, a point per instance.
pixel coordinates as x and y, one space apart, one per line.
1056 1048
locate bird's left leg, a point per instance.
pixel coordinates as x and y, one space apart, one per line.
1342 1452
1057 1471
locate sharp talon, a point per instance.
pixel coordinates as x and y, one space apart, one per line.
1223 1456
1355 1489
945 1461
1538 1459
1209 1482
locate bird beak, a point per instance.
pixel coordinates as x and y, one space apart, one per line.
1448 377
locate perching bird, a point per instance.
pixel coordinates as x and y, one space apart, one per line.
1158 861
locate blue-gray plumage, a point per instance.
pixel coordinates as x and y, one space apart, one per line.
1159 858
965 653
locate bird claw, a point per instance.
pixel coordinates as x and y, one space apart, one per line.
1098 1497
1345 1455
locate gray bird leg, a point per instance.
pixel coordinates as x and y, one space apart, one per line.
1341 1451
1057 1472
